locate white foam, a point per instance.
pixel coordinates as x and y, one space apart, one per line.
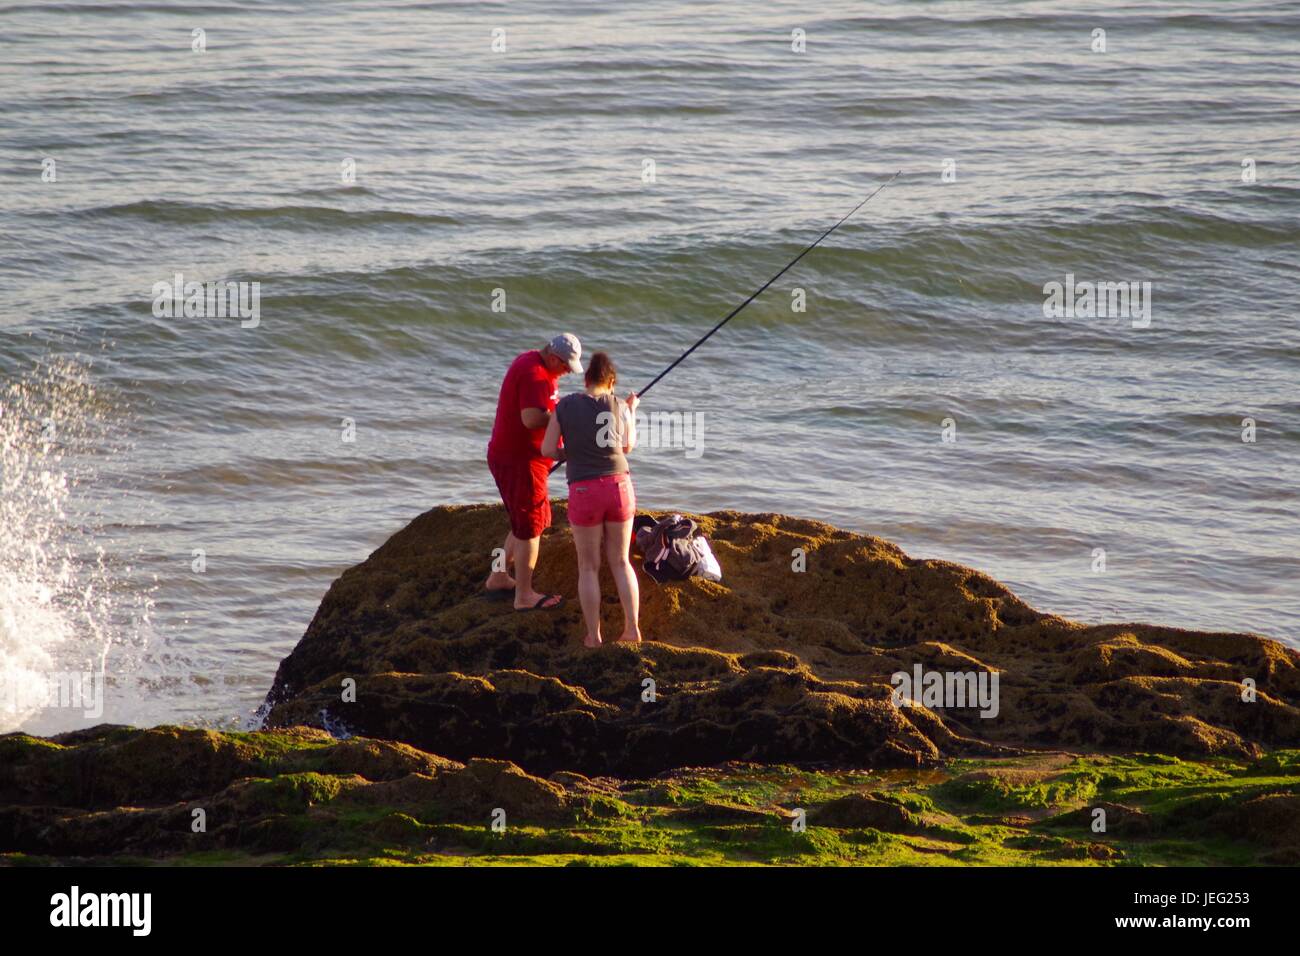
61 609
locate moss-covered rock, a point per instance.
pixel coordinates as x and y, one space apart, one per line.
311 799
114 766
772 665
856 810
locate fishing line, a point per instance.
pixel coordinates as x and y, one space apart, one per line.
761 289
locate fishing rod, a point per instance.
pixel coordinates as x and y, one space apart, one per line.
760 290
763 288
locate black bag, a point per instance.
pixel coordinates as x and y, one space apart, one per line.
669 545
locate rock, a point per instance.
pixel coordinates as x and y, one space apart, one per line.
1059 848
313 799
725 813
1100 852
108 766
1271 819
772 665
1121 819
485 785
115 790
857 810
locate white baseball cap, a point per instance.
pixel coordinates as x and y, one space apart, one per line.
567 347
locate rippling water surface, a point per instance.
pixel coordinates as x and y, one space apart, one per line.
131 442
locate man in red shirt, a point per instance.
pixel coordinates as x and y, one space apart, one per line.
524 408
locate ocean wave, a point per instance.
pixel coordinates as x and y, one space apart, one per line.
175 212
112 9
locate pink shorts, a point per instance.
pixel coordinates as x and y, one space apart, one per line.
597 500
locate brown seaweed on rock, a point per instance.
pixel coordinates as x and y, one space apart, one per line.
772 665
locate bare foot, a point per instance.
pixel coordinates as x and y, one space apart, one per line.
589 641
499 581
629 638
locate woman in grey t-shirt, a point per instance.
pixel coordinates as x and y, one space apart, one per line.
598 431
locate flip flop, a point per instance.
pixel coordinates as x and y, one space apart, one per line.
541 604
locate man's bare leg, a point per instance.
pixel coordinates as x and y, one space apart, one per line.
501 580
525 562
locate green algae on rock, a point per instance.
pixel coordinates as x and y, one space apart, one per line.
300 797
772 665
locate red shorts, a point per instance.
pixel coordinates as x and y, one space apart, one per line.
523 491
596 500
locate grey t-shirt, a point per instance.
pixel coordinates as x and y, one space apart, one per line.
593 430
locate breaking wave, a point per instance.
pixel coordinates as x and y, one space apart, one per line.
67 604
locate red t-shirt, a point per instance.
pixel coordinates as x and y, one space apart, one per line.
527 384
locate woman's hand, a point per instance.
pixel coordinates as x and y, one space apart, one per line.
630 418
